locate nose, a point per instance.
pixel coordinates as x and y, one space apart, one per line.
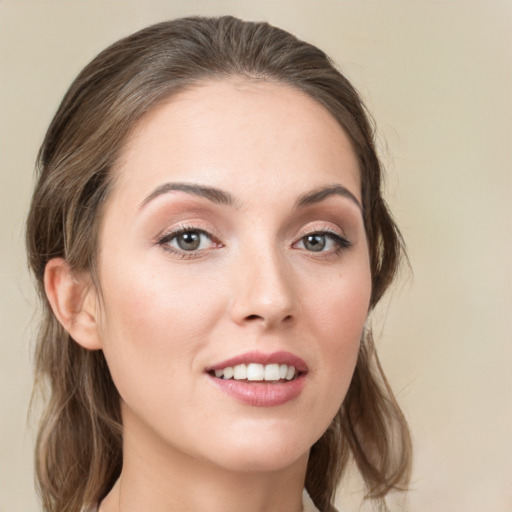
264 291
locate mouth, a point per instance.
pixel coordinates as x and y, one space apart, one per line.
261 379
256 372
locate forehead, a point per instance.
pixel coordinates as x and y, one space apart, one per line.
237 131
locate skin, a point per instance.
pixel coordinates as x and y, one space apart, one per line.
166 314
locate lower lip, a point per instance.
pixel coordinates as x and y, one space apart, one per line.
261 394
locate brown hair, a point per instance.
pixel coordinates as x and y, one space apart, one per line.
79 444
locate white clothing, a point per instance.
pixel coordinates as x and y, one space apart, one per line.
307 504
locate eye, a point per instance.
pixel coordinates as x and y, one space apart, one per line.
323 241
187 240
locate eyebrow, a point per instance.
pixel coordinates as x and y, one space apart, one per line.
212 194
225 198
318 195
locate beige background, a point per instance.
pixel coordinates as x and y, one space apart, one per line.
438 77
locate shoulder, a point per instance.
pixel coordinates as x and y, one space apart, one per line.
307 503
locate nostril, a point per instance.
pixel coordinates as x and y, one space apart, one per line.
254 317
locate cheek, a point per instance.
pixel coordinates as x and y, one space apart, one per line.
340 302
342 321
338 314
152 330
146 295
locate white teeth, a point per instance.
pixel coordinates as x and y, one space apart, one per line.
240 372
257 372
272 372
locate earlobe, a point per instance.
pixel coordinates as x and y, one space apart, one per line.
73 301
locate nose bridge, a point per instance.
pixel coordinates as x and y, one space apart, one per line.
264 286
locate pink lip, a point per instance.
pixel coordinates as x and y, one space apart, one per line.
261 358
262 394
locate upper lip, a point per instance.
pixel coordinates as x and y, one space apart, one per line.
280 357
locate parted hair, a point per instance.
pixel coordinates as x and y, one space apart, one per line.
79 442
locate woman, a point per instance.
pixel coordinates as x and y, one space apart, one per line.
209 237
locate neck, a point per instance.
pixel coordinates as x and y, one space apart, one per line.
160 478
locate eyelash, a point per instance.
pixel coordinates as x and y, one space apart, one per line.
341 242
164 240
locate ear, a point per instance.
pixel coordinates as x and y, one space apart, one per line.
74 302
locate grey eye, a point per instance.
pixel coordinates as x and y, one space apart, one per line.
189 240
315 242
323 241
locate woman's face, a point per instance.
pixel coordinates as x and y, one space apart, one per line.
233 238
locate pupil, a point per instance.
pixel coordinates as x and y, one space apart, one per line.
315 242
189 241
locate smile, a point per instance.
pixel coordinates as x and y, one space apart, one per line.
262 380
257 372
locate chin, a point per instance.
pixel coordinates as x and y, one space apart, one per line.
259 462
265 451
